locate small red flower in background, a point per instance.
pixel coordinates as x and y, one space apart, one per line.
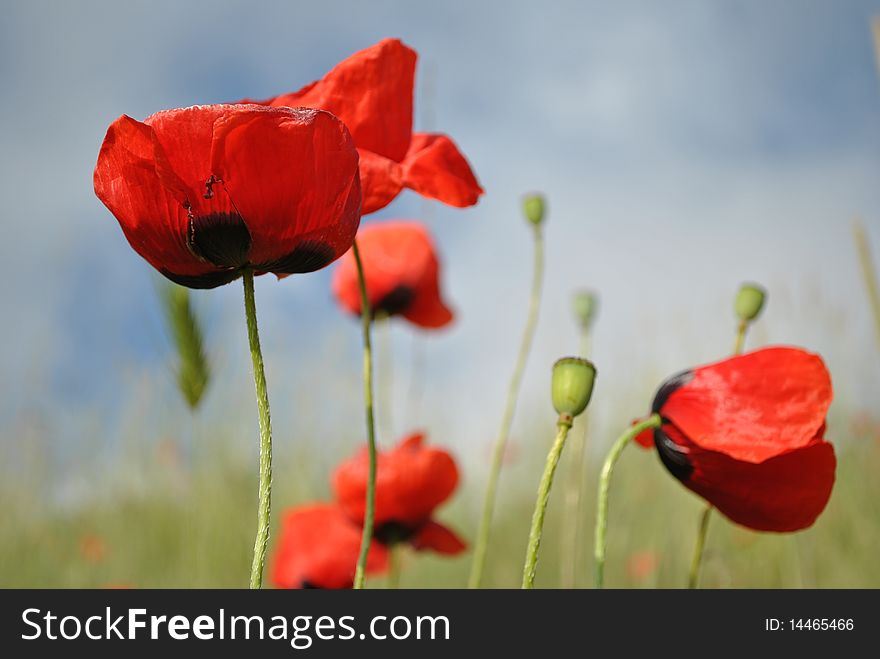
372 92
402 273
641 565
93 548
319 547
411 481
205 191
747 434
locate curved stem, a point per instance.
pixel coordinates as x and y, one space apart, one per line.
531 564
652 421
369 511
265 498
572 528
482 541
702 530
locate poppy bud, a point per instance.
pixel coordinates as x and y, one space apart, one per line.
572 385
585 304
533 206
749 302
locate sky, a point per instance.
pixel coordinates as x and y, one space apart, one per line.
684 147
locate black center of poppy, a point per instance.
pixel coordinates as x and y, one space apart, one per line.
308 256
392 533
308 585
668 387
397 301
673 458
222 239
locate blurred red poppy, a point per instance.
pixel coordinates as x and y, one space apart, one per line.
205 191
372 92
402 274
411 481
319 547
747 434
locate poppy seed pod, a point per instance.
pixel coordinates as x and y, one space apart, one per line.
749 302
533 207
585 304
572 385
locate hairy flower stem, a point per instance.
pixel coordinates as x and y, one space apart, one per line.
370 509
572 529
563 425
869 273
265 498
481 544
652 421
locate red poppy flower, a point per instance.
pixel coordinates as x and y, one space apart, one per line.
205 191
411 481
402 274
319 548
372 92
747 434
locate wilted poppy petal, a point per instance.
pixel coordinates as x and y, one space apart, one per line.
754 406
292 177
152 218
784 493
411 481
319 548
435 168
372 92
436 537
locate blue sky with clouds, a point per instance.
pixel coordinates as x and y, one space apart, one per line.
684 146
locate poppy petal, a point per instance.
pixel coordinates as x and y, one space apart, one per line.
435 168
401 270
152 217
381 180
292 177
372 92
436 537
753 406
319 547
645 439
784 493
411 481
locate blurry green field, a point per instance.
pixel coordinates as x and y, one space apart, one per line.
193 527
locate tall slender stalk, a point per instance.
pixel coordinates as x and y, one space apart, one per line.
265 495
370 509
869 274
563 426
620 443
572 529
482 541
702 530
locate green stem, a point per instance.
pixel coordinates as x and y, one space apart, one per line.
369 510
740 341
702 530
531 564
869 274
482 541
572 529
652 421
265 499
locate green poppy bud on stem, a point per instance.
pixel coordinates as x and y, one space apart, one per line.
572 386
749 302
585 304
533 206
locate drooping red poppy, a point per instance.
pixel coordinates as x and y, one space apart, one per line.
402 274
412 480
372 92
747 435
319 547
205 191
